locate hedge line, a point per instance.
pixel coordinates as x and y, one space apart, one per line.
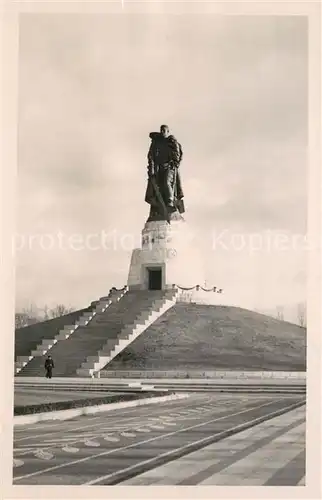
80 403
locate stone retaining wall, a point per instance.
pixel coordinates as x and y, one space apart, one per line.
202 375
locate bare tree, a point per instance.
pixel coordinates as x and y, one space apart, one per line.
280 313
31 314
301 314
21 320
60 310
27 316
46 313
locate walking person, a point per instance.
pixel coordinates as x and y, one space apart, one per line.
49 365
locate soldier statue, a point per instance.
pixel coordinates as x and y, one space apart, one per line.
164 190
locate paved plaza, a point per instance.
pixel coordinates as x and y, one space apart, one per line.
272 453
152 444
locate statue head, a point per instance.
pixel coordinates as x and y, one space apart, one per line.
164 130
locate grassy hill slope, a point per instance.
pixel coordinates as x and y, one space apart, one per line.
27 338
203 337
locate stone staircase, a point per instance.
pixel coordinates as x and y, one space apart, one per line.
98 337
30 338
150 305
32 364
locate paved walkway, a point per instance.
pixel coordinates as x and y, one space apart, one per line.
113 447
272 454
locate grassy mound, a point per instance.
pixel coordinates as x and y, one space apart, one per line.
203 337
82 403
28 337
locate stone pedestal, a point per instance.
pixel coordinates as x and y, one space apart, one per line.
169 256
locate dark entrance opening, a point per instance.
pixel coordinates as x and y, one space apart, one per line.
155 279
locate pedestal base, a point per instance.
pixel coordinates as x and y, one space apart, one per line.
169 256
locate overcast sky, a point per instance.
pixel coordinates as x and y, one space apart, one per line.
234 92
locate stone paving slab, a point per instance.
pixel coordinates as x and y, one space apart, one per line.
271 453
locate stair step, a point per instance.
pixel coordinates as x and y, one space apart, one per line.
148 312
20 364
24 358
104 336
47 342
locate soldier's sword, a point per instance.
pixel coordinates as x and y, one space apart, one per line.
160 199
